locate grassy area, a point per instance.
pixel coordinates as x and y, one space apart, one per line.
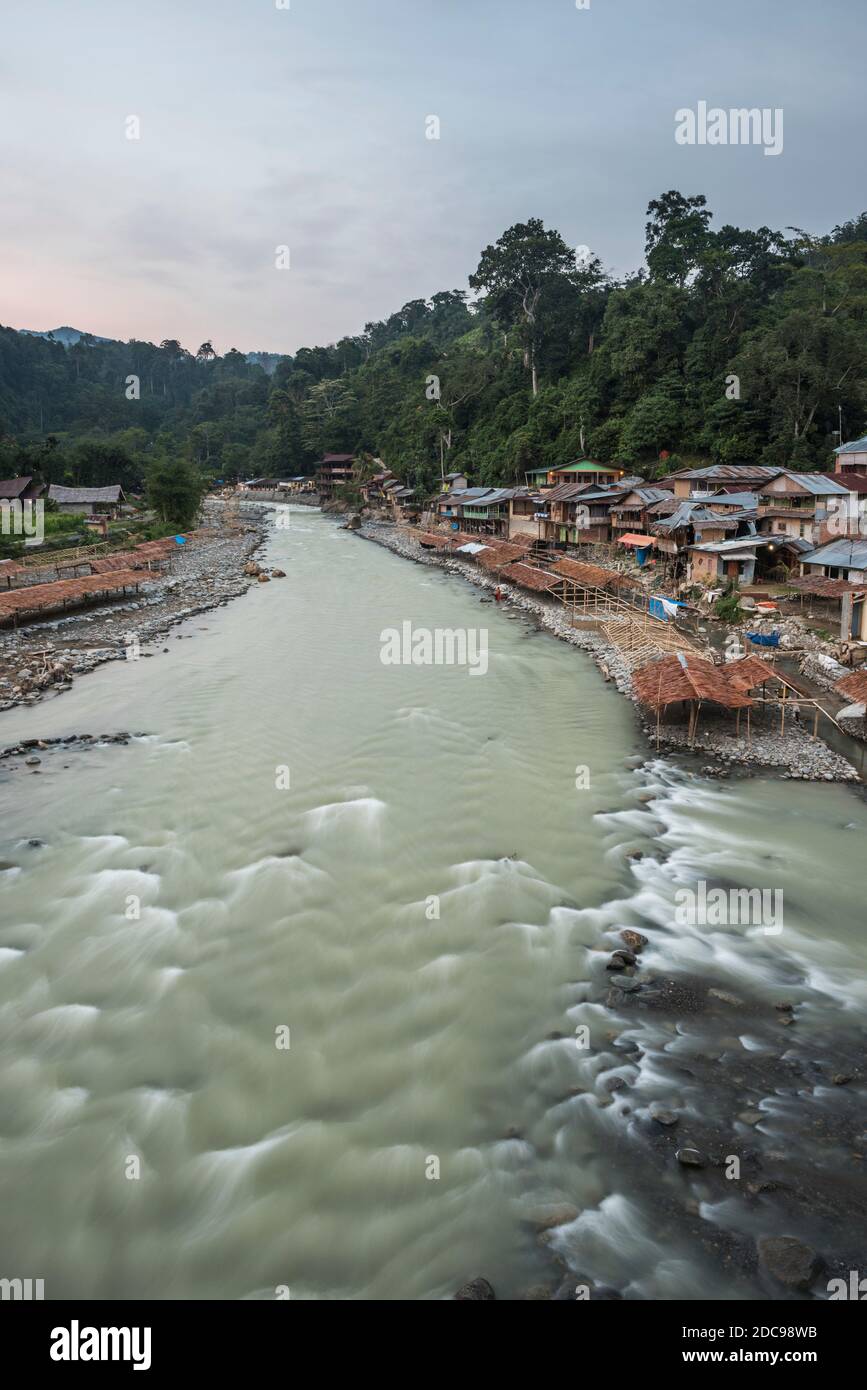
64 532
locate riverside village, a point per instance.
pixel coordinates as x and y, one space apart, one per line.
727 601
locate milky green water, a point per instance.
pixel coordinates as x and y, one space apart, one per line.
187 908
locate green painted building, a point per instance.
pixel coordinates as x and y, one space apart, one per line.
582 470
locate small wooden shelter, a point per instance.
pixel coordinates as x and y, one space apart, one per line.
682 678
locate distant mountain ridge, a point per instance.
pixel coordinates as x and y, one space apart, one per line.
68 337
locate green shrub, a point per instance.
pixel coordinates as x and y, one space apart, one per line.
728 608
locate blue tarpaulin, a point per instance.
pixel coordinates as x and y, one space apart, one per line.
765 639
180 540
656 607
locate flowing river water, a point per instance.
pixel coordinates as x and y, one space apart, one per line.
432 1105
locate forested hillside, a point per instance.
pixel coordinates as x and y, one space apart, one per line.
731 345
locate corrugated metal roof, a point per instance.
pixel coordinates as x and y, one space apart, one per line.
704 520
855 482
464 494
818 484
735 472
749 500
649 494
747 544
564 491
856 446
847 554
681 516
494 496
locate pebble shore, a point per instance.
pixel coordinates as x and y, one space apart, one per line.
43 658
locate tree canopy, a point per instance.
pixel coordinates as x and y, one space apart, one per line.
736 345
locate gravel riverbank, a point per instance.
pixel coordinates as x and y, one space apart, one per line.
42 659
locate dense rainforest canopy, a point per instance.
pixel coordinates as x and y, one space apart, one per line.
731 345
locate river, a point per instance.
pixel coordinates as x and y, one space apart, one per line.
320 1037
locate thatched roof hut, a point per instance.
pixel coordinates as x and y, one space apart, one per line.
749 672
689 679
590 576
429 540
680 676
499 554
528 577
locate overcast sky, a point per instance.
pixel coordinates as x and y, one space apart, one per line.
306 127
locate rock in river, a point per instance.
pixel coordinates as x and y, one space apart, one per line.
690 1158
478 1290
633 939
664 1117
621 959
789 1261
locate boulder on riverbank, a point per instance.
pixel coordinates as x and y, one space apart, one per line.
789 1261
477 1290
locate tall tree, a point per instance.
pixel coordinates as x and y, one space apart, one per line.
676 235
175 489
515 274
